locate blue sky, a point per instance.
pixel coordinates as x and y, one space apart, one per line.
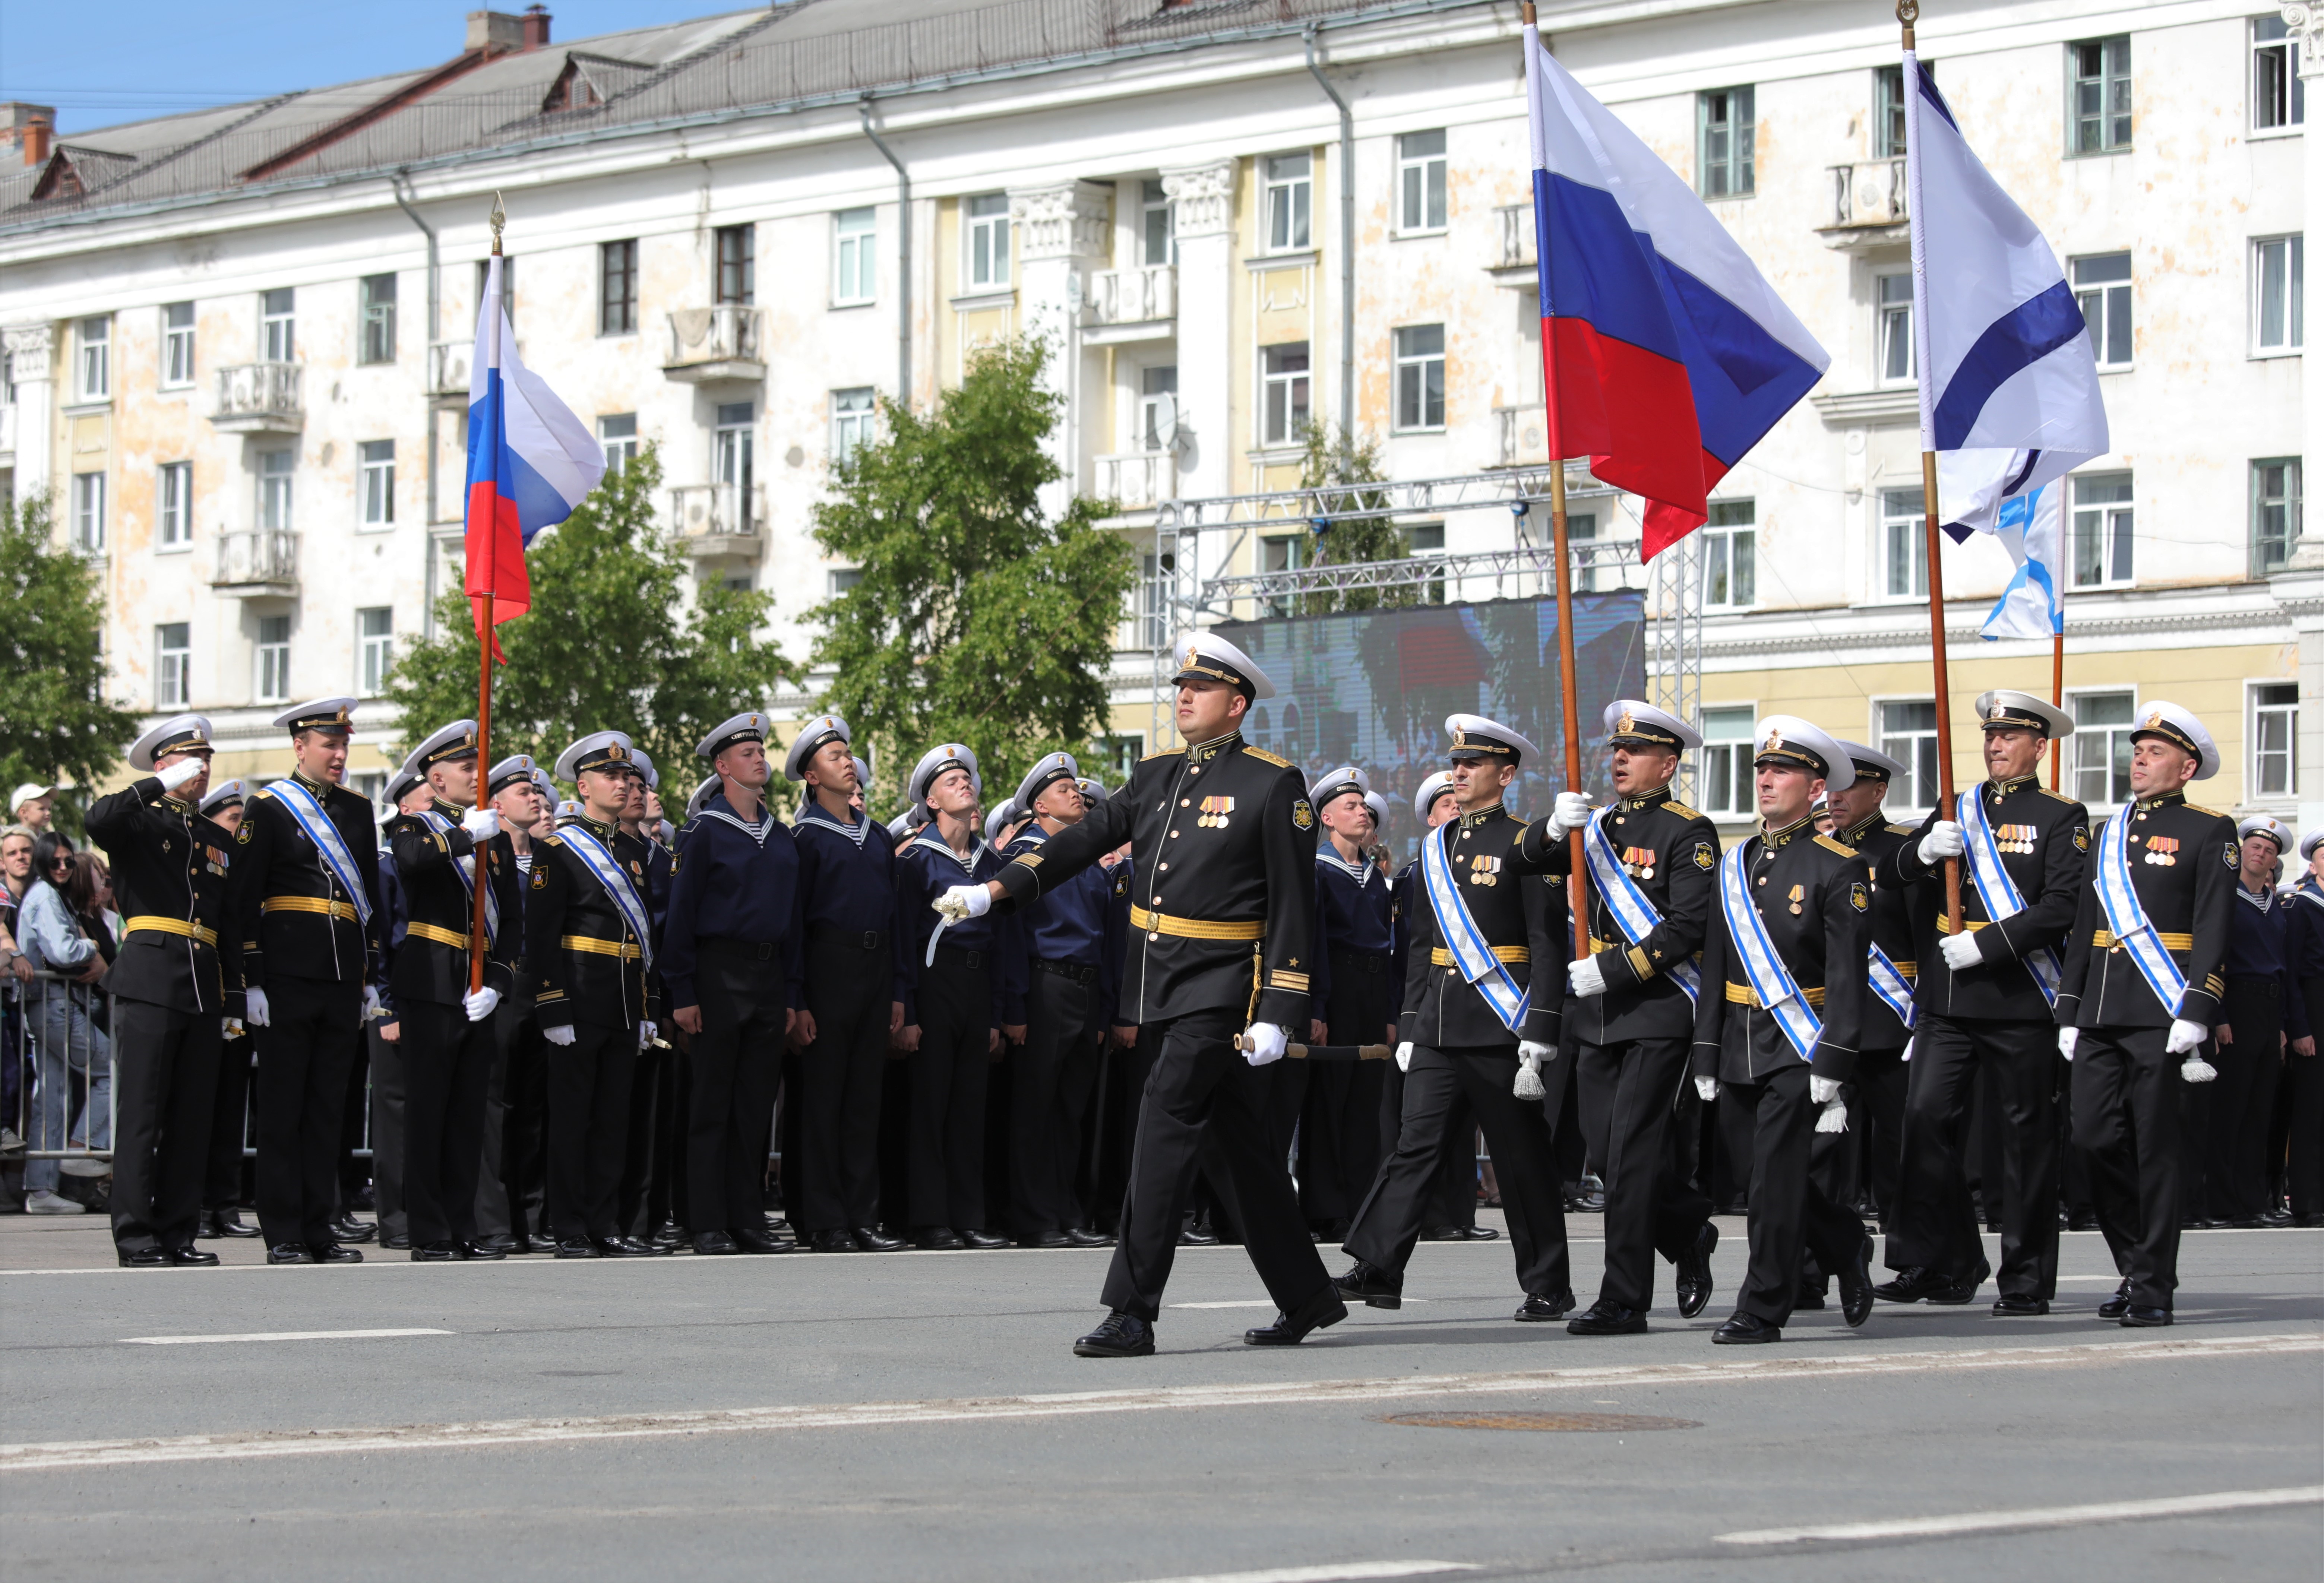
101 62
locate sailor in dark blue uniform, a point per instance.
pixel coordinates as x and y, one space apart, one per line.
1355 1003
2303 1172
2263 1020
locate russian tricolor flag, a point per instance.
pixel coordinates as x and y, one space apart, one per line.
1667 354
529 463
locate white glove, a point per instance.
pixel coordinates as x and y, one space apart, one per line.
370 1005
1530 1056
479 1005
481 823
1706 1089
2185 1035
254 1008
1403 1056
2067 1039
2195 1069
1834 1117
1586 977
646 1034
1943 841
1571 813
1907 1056
558 1036
1959 951
1823 1090
1265 1042
964 901
183 771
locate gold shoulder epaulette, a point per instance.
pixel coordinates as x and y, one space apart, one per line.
1842 847
2062 796
1165 753
1900 830
264 792
1683 812
1262 754
552 841
2212 813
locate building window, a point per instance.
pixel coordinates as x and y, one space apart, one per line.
174 493
2276 512
1724 142
88 513
1420 182
2278 98
278 325
93 369
1903 544
1888 110
1427 539
1731 561
2102 289
1283 393
1290 192
378 340
618 433
375 649
2102 727
1157 407
1286 552
1908 734
508 286
173 664
1724 785
617 288
844 578
731 461
177 344
988 241
1157 574
738 268
854 273
1157 230
274 659
2275 740
378 461
2278 312
275 469
1420 377
1898 365
853 413
2101 102
2102 524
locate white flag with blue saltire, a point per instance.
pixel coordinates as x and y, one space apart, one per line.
2032 528
2009 385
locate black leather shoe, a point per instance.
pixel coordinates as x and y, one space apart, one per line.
230 1223
759 1241
1289 1329
1912 1284
831 1240
1370 1285
2138 1316
1082 1237
337 1253
2115 1306
577 1247
151 1259
1045 1239
933 1239
974 1238
1808 1297
1196 1236
1540 1310
1694 1272
436 1253
1856 1285
347 1228
1964 1291
1441 1234
288 1252
1607 1319
871 1239
2011 1306
1746 1329
207 1228
2081 1221
1122 1335
714 1242
395 1239
477 1248
499 1245
627 1248
2308 1222
192 1258
1477 1233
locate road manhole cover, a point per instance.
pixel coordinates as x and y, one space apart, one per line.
1547 1422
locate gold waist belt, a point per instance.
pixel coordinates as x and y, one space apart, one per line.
152 923
1195 928
2103 940
308 903
455 938
1444 958
627 949
1744 995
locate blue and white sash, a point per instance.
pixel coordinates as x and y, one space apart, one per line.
600 862
466 868
1472 954
328 840
1777 991
2128 919
2002 898
1629 904
1894 990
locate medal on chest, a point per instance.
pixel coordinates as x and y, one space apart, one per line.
1484 870
1638 861
1798 895
2162 851
1214 813
2016 838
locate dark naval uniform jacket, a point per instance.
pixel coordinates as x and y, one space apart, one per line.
1522 916
1876 840
1814 894
1223 904
585 963
430 961
180 947
1083 923
2045 841
1671 851
2183 861
296 920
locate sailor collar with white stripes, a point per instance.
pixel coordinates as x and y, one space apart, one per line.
814 812
1361 871
2264 898
757 832
935 842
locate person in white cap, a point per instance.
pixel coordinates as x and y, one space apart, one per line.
1223 921
2138 998
1985 998
1652 864
1778 1024
2304 1171
32 805
508 1195
308 901
222 805
1451 1213
2263 1020
1000 824
1340 1136
652 1193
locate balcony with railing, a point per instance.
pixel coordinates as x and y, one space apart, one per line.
1869 208
1138 304
448 366
8 429
1513 243
1139 481
1520 436
260 398
256 563
707 344
720 521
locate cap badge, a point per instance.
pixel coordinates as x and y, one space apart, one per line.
2154 721
1775 741
1625 725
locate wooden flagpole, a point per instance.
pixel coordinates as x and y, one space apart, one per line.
482 604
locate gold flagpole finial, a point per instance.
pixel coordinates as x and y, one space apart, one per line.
499 216
1908 12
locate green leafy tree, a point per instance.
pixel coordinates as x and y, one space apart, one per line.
1334 456
56 726
610 643
975 620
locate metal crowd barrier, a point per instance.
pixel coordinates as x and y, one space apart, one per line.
59 1051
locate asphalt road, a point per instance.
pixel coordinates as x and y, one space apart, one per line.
920 1416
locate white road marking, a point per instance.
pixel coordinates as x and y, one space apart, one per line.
536 1431
276 1336
1331 1572
1241 1303
2233 1500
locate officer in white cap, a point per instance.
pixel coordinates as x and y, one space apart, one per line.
2305 945
1453 1208
651 1197
1633 1018
1985 1001
2264 1019
1337 1106
222 804
508 1191
1778 1024
1222 919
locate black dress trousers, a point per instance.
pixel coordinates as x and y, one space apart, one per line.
945 1181
2304 1171
1341 1140
2235 1145
229 1125
1934 1225
1050 1088
1651 1205
388 1145
588 1125
448 1065
736 1063
164 1082
851 991
1789 1213
524 1126
2126 1099
306 1052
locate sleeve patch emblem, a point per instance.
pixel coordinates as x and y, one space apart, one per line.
2082 838
1303 815
242 835
1704 858
540 879
1859 895
2233 856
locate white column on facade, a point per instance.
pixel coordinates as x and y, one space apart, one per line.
2301 585
1061 232
1202 200
30 353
